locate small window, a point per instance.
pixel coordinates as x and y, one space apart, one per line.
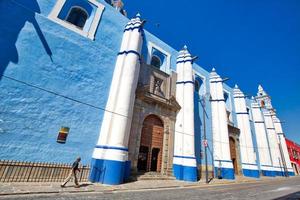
155 61
80 16
158 57
77 16
197 86
226 96
262 104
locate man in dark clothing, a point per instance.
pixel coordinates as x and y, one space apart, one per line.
73 173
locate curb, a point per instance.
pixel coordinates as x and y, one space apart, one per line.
108 191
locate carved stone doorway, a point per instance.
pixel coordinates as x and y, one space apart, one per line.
151 148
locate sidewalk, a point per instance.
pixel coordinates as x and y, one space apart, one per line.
52 188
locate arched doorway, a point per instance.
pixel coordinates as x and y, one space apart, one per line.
150 153
233 154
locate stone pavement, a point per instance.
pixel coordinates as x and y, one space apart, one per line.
8 189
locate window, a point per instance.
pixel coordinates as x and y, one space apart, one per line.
155 61
158 57
197 86
249 113
80 16
77 16
262 104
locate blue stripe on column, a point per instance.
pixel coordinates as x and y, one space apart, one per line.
249 164
184 61
133 28
132 24
239 97
187 157
111 147
267 165
251 173
185 173
128 52
107 171
228 161
224 173
184 82
268 173
241 113
216 81
212 100
291 173
184 56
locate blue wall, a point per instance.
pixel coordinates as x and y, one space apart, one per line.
54 77
41 61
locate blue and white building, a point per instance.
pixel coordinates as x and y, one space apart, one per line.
77 77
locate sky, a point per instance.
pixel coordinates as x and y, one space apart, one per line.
251 42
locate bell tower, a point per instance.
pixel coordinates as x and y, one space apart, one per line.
264 99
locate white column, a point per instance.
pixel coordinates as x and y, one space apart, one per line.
185 167
179 126
248 157
111 152
265 161
281 138
222 159
273 143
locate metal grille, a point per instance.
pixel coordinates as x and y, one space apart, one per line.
17 171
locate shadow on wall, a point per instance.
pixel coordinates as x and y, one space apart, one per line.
198 131
13 16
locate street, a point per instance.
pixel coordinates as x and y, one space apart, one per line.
268 189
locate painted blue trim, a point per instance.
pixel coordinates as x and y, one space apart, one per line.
280 173
133 28
241 113
130 51
249 164
184 82
188 157
224 173
182 57
278 167
268 173
251 173
212 100
185 173
216 81
239 97
291 173
132 24
107 171
184 61
228 161
127 170
111 147
266 165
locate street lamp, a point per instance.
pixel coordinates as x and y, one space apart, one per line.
205 143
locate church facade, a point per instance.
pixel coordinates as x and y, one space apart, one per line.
79 78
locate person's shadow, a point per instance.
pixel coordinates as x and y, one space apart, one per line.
13 15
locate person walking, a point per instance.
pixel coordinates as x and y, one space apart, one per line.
73 173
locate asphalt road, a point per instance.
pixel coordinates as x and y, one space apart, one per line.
275 189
